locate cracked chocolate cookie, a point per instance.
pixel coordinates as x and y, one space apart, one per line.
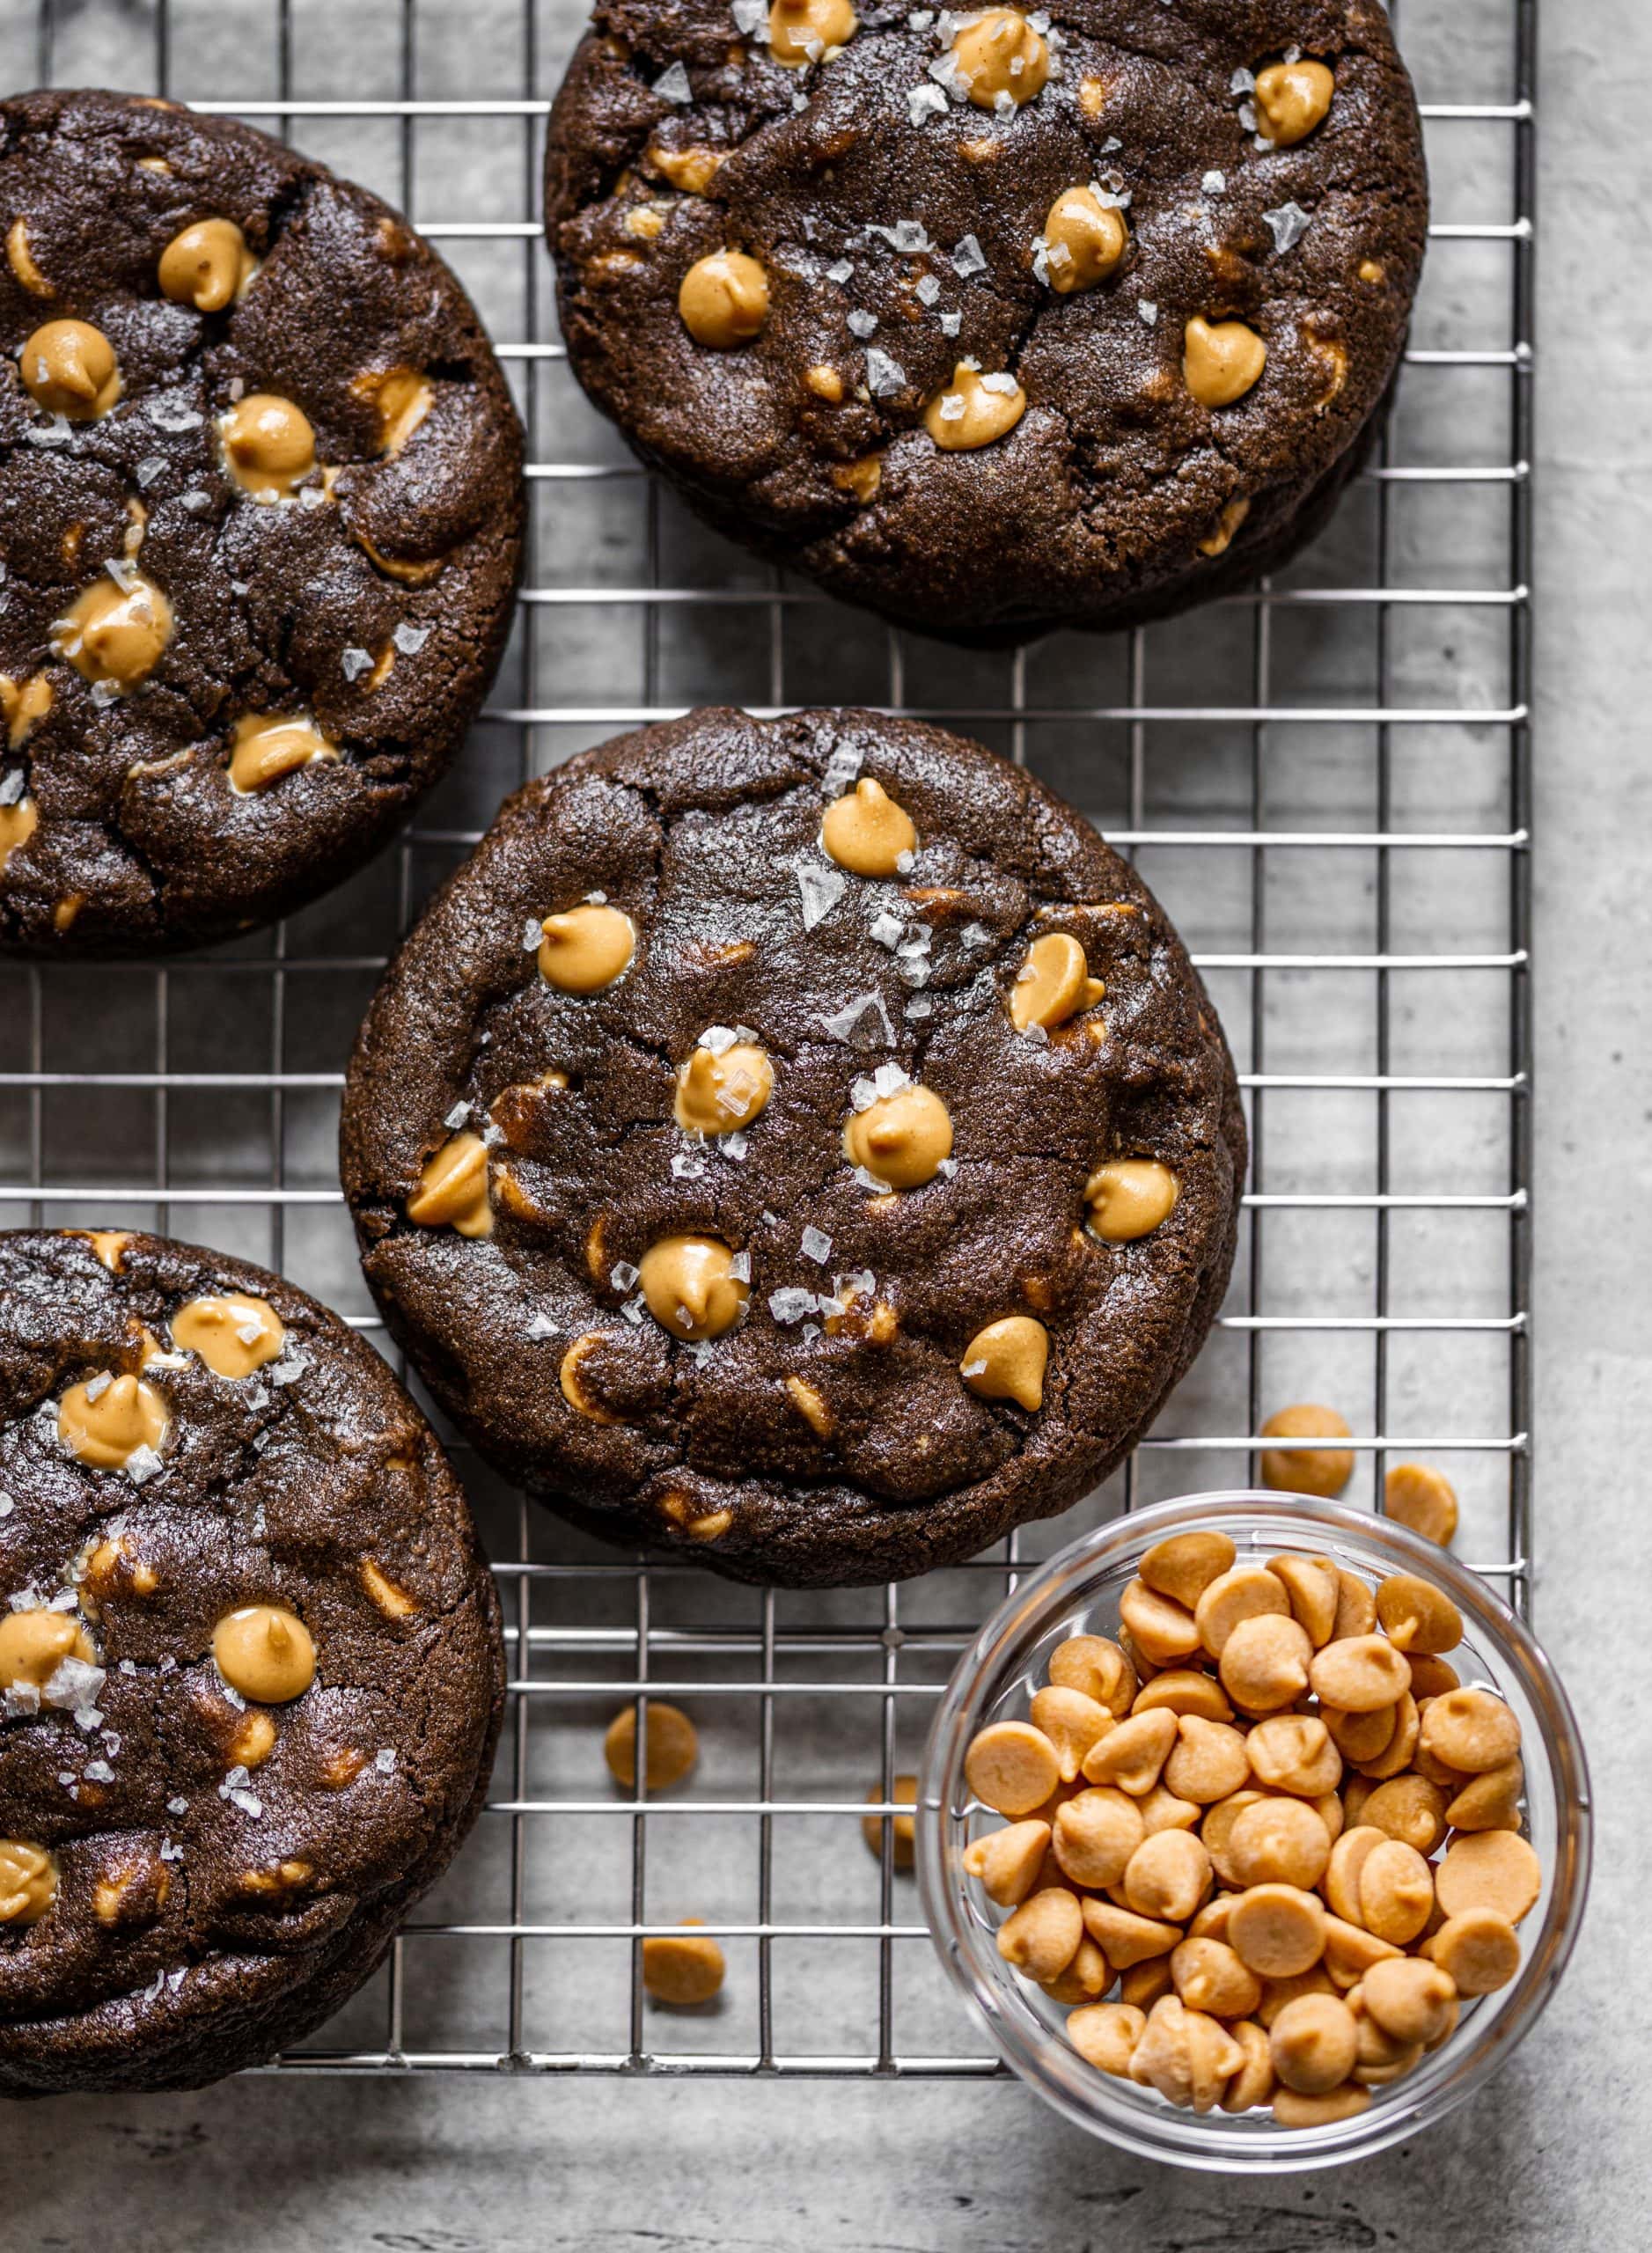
805 1145
251 1673
994 321
261 510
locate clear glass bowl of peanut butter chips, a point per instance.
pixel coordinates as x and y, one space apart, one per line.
1255 1830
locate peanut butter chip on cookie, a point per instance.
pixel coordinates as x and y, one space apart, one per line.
21 258
70 368
107 1420
866 832
1084 240
1221 360
1000 56
723 299
692 170
975 409
586 949
902 1138
33 1644
265 1652
18 823
802 32
691 1288
28 1881
1006 1361
23 703
401 398
453 1190
1129 1198
1053 984
719 1089
265 748
208 266
233 1333
1291 99
115 632
268 444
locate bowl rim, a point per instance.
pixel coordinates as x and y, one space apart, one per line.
1114 2110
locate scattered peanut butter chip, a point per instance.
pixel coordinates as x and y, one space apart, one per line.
975 409
586 949
691 1287
115 631
721 1089
999 54
683 1969
1053 984
1291 100
264 746
453 1190
1084 240
673 1746
692 169
866 832
902 1138
904 1791
113 1423
68 368
723 299
268 444
34 1643
1324 1472
804 32
1129 1198
1489 1870
265 1652
232 1333
1221 361
1416 1495
208 266
1006 1361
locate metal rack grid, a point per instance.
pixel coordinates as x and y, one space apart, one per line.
1327 782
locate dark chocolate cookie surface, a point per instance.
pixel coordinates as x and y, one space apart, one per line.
250 1663
994 321
805 1144
261 513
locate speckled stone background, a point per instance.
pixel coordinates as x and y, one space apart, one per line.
1558 2153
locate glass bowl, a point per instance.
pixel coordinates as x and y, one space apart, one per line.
1078 1592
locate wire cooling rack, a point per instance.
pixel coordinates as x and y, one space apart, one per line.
1327 784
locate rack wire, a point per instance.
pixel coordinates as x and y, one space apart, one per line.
1326 780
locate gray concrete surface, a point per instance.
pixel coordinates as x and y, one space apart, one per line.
1557 2154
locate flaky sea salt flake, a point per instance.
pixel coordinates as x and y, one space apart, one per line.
817 1245
354 664
884 375
821 887
1289 222
672 85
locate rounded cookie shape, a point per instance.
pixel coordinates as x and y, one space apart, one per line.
261 555
911 1193
253 1676
1064 322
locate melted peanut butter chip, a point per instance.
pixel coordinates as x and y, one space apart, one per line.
975 410
401 398
208 266
115 632
901 1138
234 1334
109 1246
265 747
723 299
575 1388
721 1091
265 1652
22 704
862 477
1053 984
28 1881
21 258
866 832
1084 239
452 1191
268 444
825 382
586 949
999 55
1007 1360
35 1644
18 823
105 1420
394 1602
692 170
1291 99
70 368
1221 360
802 32
689 1286
1129 1198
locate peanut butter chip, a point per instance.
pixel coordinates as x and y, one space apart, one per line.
1000 54
265 1652
1006 1361
802 32
28 1881
1006 1863
1042 1936
1084 239
265 748
723 299
1129 1198
18 823
692 170
1221 362
721 1089
1105 2036
1291 99
452 1191
866 832
107 1421
1013 1767
1491 1870
401 398
1324 1472
22 704
115 633
682 1968
1417 1616
70 368
33 1644
1053 984
1183 1566
1416 1495
234 1334
208 266
904 1791
975 409
268 444
576 1386
903 1138
21 258
673 1746
690 1286
586 949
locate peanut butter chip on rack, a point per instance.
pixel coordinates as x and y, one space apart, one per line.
1129 1198
691 1288
682 1968
265 748
1322 1470
1291 99
107 1421
1007 1360
673 1746
1221 360
902 1138
802 32
866 832
975 409
70 368
28 1881
1084 240
33 1644
208 266
265 1652
1415 1494
999 55
452 1191
268 444
1053 984
719 1089
723 299
234 1334
115 632
586 949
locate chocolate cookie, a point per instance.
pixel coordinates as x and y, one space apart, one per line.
992 321
249 1676
260 508
805 1144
